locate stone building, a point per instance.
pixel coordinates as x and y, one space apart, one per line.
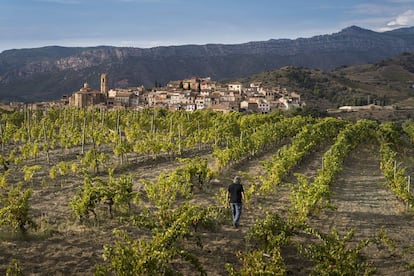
86 96
104 84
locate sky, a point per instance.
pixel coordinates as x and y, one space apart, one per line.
151 23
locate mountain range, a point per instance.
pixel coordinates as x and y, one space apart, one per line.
48 73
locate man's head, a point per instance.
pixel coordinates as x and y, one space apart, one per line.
237 179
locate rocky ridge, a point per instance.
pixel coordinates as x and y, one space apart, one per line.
49 72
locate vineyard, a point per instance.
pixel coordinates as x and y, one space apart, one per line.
97 192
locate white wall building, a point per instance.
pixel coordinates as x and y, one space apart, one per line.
263 106
236 86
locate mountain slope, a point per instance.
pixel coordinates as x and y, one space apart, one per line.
50 72
388 82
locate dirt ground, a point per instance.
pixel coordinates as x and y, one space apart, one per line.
364 203
66 247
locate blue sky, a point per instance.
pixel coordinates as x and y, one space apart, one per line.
149 23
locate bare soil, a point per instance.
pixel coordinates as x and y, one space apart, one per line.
365 204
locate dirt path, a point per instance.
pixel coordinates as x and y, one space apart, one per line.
221 247
365 204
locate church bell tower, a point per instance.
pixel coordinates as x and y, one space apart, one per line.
104 84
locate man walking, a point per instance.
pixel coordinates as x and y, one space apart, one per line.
235 195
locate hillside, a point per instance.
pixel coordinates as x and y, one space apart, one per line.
50 72
388 82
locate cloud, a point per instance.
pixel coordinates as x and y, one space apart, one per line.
401 1
375 9
60 1
385 16
402 20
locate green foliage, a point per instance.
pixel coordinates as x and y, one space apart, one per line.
144 219
251 135
94 160
135 257
196 171
155 256
266 236
86 199
29 171
221 197
388 137
117 192
302 144
15 209
306 199
63 168
408 128
165 190
389 132
3 179
301 77
335 255
14 268
270 232
259 262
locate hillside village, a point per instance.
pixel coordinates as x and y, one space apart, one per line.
188 94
